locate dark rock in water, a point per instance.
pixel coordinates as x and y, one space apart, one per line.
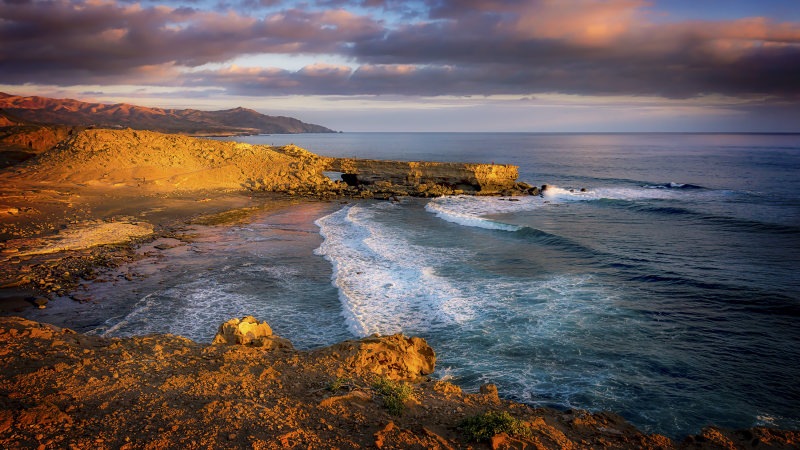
583 189
40 302
166 246
82 298
534 191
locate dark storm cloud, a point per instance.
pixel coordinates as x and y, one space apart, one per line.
595 47
464 47
104 41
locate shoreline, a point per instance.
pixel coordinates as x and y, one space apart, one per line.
252 389
56 210
29 272
616 423
195 249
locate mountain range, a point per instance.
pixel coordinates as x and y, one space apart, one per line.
236 121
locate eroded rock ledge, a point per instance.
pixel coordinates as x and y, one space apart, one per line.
464 177
60 389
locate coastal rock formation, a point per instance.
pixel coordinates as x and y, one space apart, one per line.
61 389
36 138
155 162
461 176
19 143
236 121
249 331
395 357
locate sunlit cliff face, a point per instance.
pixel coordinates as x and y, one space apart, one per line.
320 55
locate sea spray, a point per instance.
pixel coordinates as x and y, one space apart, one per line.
385 283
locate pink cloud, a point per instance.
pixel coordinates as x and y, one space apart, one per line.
462 47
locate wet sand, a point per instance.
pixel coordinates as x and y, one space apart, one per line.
186 286
103 229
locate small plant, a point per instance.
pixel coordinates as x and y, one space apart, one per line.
484 426
394 394
338 383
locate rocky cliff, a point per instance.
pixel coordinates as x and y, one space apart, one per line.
61 389
461 176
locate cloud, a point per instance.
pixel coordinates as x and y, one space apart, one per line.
101 40
596 47
451 47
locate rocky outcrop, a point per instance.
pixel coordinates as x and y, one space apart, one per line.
395 357
249 331
36 139
156 162
457 176
61 389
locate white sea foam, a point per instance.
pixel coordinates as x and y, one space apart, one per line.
114 324
472 211
185 310
451 214
558 194
468 210
387 284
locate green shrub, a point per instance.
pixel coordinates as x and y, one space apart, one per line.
338 383
394 394
484 426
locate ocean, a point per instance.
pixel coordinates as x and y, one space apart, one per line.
667 292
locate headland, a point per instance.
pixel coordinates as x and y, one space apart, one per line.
251 389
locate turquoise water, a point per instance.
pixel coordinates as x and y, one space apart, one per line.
668 292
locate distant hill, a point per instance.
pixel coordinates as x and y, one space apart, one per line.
235 121
10 120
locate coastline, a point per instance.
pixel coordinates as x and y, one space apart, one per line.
355 418
28 272
252 389
54 209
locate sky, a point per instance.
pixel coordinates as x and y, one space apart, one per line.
423 65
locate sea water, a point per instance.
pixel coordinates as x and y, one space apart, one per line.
657 279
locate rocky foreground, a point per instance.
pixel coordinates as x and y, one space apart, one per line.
61 389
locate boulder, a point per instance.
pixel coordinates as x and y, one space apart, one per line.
40 302
490 391
249 331
395 357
